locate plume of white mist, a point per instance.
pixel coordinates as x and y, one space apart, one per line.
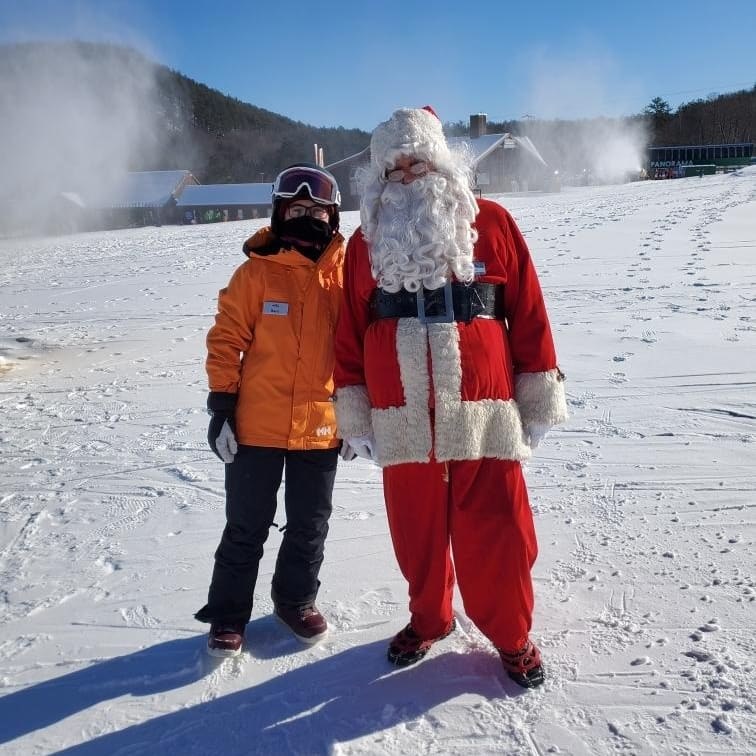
614 149
76 118
586 85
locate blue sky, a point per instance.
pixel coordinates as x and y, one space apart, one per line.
341 63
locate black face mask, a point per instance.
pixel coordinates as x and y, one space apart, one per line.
306 229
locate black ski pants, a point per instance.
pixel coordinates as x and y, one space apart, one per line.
252 483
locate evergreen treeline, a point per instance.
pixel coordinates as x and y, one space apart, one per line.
230 141
719 119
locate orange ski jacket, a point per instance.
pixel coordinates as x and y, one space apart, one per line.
273 345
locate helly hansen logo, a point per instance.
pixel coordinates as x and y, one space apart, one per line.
324 430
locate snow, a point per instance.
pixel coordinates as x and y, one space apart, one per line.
111 507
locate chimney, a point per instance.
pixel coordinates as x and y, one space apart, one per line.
477 125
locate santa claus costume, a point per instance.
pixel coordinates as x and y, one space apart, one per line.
446 372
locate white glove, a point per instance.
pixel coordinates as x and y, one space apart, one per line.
358 446
535 432
225 444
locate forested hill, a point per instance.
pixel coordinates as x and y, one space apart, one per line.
173 121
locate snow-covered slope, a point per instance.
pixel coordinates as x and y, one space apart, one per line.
111 507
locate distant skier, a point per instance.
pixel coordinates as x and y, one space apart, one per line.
446 376
270 367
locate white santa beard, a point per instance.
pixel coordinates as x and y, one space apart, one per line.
420 237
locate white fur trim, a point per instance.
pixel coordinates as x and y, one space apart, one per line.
403 434
541 397
352 408
409 131
469 429
463 429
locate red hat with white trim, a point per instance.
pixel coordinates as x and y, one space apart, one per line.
414 132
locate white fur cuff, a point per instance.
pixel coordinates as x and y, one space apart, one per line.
352 407
541 398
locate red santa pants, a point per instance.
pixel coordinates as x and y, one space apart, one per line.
479 511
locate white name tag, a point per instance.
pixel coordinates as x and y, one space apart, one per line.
275 308
480 268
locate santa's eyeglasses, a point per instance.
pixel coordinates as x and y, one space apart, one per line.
320 185
315 211
421 168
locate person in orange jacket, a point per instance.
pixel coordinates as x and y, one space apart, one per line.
446 376
270 361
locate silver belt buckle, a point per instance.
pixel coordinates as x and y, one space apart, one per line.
447 317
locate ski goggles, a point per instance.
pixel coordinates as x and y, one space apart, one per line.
320 185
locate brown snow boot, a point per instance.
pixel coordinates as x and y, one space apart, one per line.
306 622
225 638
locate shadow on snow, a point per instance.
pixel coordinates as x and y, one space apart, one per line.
348 695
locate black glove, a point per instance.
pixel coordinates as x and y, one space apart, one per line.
221 433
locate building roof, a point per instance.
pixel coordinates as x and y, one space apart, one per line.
478 148
74 198
223 195
143 189
527 145
482 146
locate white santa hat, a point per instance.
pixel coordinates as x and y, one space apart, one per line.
415 132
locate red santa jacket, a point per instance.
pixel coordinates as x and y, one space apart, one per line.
454 390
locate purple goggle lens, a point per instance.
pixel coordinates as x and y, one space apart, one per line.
320 186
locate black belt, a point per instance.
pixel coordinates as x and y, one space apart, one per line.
453 302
